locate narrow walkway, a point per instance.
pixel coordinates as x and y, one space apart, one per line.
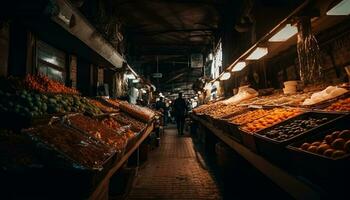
173 172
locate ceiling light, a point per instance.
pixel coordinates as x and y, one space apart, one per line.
225 76
239 66
136 80
130 76
199 92
342 8
258 53
284 34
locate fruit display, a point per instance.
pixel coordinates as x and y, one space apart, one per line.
102 107
273 117
113 124
334 145
42 84
207 109
113 102
97 130
138 112
294 128
340 105
16 151
31 104
248 116
125 119
72 144
228 110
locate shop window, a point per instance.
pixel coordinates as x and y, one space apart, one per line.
51 62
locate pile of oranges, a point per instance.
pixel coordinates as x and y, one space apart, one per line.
43 84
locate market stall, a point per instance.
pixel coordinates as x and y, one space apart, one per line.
57 143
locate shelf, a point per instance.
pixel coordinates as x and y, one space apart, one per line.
100 190
289 183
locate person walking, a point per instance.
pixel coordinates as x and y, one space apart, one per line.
180 109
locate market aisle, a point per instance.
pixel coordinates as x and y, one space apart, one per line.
173 172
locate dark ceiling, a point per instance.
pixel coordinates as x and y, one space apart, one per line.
171 30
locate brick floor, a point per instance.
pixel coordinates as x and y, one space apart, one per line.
173 172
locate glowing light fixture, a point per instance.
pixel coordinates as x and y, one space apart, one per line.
136 80
239 66
342 8
284 34
199 92
130 76
258 53
225 76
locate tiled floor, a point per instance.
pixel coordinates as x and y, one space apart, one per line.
173 172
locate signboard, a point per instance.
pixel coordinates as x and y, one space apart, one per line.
157 75
196 60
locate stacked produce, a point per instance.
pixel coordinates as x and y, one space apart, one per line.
335 145
113 124
113 102
102 107
278 100
227 111
30 104
248 116
125 119
72 144
273 117
98 130
294 128
42 84
340 105
141 113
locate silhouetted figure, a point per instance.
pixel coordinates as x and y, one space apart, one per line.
180 109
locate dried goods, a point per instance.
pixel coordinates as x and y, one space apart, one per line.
98 130
341 105
294 128
138 112
42 84
228 110
274 116
73 144
248 116
334 145
125 119
101 106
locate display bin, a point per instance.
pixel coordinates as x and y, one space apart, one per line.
275 150
330 172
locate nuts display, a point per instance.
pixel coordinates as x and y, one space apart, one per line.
341 105
101 106
294 128
332 146
274 116
125 119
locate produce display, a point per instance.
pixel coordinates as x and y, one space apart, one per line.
278 100
138 112
16 151
113 102
98 130
30 104
248 116
102 107
43 84
340 105
333 145
273 117
72 144
113 124
226 111
294 128
207 108
125 119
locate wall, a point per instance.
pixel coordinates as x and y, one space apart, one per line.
4 48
